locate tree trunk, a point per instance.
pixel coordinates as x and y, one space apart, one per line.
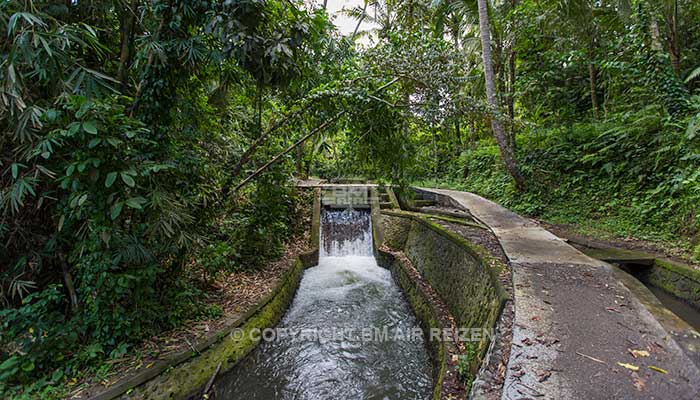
144 80
304 138
512 78
300 162
126 32
70 287
501 138
458 136
655 34
357 27
592 76
674 49
510 98
298 143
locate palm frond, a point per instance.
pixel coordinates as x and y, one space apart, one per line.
693 75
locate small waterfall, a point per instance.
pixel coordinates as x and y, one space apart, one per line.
323 354
346 232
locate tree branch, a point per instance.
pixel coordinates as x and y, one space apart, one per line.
319 128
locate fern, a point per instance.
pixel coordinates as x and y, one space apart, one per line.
693 75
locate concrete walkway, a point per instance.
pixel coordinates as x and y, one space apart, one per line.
575 322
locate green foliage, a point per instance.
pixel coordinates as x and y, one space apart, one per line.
466 363
635 174
124 131
119 130
604 120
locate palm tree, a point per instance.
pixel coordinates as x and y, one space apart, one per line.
501 138
381 18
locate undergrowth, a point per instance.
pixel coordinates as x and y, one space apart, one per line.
636 174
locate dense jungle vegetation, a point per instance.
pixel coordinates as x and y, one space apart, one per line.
149 145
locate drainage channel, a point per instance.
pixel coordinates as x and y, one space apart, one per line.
679 307
348 334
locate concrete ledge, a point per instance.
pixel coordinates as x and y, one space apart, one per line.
680 280
492 265
464 274
316 220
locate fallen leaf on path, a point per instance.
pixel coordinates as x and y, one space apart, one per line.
657 369
548 342
613 309
638 353
501 370
543 376
638 383
628 366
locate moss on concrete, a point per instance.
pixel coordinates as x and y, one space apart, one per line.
187 378
396 232
392 197
464 274
377 230
424 312
460 221
677 279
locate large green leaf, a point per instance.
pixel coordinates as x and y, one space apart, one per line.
90 127
116 210
127 179
111 177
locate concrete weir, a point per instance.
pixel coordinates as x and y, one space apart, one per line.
580 332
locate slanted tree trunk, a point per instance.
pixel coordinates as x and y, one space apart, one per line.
359 21
298 143
472 133
501 138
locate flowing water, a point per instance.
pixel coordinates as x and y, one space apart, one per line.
349 333
683 310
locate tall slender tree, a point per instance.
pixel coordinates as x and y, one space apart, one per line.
504 146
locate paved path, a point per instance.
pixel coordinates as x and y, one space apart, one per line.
575 321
